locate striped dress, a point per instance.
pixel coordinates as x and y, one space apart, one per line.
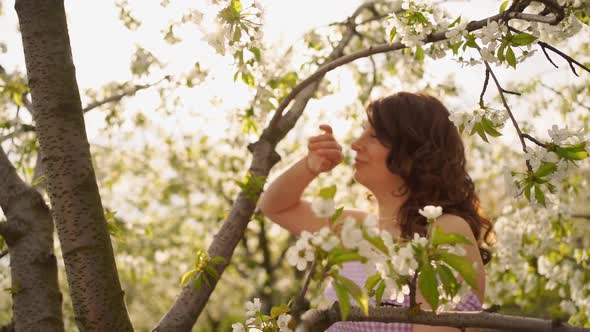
356 272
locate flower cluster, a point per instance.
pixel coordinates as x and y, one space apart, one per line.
392 264
279 319
485 117
415 22
561 264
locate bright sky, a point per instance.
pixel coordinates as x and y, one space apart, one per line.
103 47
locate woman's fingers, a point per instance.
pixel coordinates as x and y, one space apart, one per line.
323 145
326 128
334 155
319 138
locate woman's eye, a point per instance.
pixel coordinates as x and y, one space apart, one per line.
374 136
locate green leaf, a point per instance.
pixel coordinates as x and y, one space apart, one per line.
357 293
379 291
392 34
527 191
343 300
439 237
419 53
372 281
522 39
471 41
279 310
248 79
572 152
501 50
455 22
478 128
539 195
510 57
210 270
38 180
237 34
218 260
545 169
337 214
236 5
198 281
256 52
344 257
488 127
187 276
455 47
328 192
503 6
463 265
428 285
448 280
376 241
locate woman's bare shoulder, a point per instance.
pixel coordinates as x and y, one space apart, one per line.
355 213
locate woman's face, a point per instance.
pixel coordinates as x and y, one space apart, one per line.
370 162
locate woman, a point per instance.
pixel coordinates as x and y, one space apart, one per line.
409 155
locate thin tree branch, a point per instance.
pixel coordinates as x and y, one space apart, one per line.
315 320
569 59
23 128
544 46
516 126
116 98
300 299
563 96
485 86
3 253
129 92
534 140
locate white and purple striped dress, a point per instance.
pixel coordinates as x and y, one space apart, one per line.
356 272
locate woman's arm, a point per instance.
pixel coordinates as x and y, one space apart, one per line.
282 201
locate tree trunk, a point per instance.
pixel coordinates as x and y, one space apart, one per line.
71 183
28 232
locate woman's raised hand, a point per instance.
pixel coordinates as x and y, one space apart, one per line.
324 152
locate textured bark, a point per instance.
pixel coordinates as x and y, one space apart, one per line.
191 302
36 297
315 320
71 183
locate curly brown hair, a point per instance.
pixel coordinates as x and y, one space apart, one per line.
427 152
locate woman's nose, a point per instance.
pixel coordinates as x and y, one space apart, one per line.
356 146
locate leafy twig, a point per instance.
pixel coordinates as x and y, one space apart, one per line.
485 86
299 300
516 126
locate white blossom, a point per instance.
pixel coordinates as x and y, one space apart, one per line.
431 212
394 292
323 208
217 41
371 225
350 234
300 254
283 323
238 327
457 32
404 262
253 307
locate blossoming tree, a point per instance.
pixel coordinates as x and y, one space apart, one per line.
543 242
